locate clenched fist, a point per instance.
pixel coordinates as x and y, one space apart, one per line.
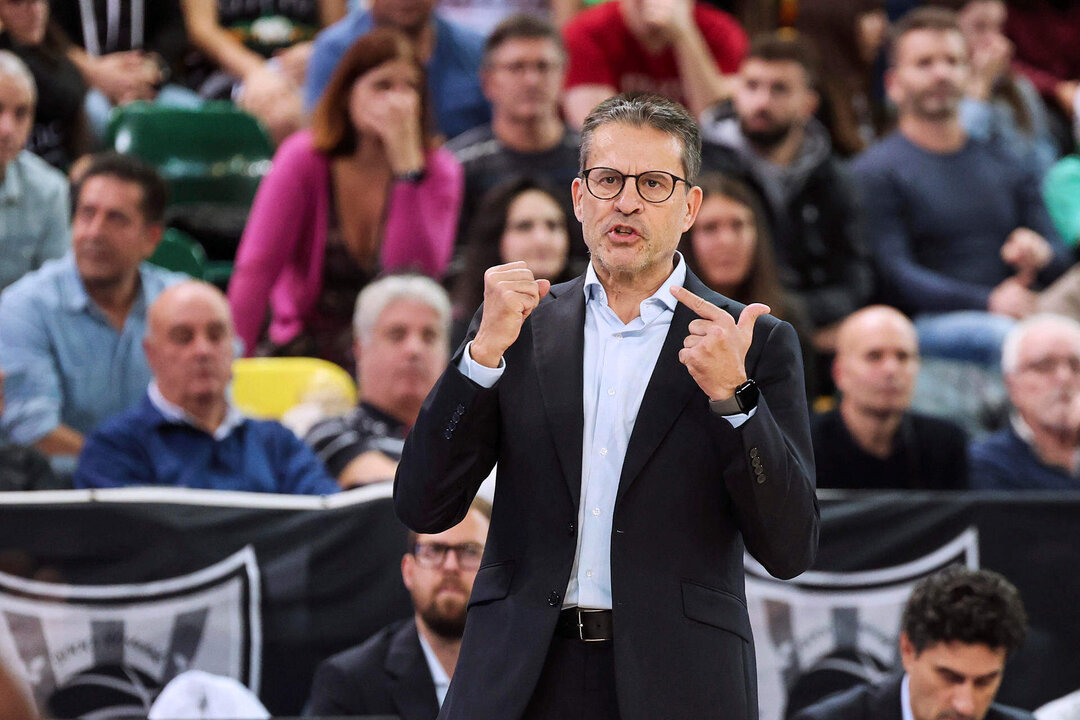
511 293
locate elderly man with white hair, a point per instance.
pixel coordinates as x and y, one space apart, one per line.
1039 449
401 342
34 199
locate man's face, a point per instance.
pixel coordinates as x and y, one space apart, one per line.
772 98
25 20
440 592
409 16
16 118
628 236
877 361
523 78
189 344
953 680
1044 387
403 357
928 78
109 233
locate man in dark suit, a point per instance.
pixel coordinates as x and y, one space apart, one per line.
958 627
647 431
405 668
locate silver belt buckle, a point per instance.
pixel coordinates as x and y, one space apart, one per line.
581 627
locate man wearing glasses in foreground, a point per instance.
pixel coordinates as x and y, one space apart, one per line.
405 668
646 430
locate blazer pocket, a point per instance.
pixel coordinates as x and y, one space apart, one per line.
492 582
718 608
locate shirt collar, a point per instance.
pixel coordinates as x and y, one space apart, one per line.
177 415
11 189
74 293
905 699
651 306
438 672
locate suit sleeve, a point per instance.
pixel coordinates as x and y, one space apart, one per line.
771 482
450 450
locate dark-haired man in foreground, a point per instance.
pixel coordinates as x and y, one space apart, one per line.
958 627
647 432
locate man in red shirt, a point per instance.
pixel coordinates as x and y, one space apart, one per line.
681 49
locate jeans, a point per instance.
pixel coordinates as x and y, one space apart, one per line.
968 335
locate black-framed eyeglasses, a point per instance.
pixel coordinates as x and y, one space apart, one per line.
653 186
433 555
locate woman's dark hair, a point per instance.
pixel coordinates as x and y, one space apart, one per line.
762 282
331 129
484 235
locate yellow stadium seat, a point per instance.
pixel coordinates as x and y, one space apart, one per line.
268 387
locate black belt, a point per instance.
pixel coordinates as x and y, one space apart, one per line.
583 624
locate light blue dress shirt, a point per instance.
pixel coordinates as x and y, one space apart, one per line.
618 361
64 363
34 214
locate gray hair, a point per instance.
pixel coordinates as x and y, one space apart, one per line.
1014 339
375 298
12 66
654 111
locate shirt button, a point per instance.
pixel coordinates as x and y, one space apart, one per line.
611 391
603 451
588 573
596 512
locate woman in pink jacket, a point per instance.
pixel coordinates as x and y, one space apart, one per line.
364 192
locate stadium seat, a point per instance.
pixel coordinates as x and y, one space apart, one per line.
212 158
268 387
215 154
178 251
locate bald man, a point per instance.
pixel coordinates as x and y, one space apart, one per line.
872 439
185 432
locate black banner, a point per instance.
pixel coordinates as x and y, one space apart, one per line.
146 583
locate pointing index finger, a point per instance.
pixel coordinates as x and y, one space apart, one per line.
700 305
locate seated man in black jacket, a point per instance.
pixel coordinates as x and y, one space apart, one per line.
958 627
773 143
405 668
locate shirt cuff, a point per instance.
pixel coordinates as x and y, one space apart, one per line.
480 374
737 420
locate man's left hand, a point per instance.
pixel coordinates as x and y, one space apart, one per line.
715 350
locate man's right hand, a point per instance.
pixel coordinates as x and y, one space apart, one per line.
1013 298
511 293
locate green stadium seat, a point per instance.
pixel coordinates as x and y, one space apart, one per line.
178 251
216 154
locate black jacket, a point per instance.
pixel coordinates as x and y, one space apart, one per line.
817 236
693 493
882 702
386 675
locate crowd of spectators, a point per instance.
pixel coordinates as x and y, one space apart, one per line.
898 191
919 167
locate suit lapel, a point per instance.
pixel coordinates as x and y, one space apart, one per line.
413 690
667 393
558 329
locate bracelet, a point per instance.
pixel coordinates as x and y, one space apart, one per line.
412 176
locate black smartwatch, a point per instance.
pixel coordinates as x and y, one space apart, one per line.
743 401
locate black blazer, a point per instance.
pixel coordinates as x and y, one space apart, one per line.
692 493
386 675
882 702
